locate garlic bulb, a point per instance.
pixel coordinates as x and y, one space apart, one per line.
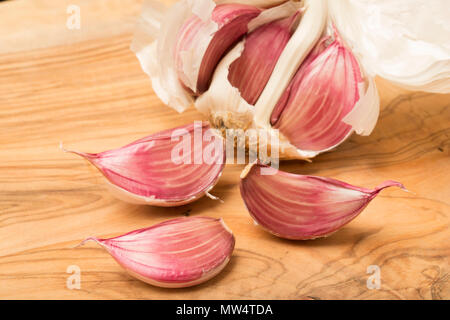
297 68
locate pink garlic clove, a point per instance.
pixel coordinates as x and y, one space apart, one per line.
232 23
167 169
251 71
302 207
177 253
323 92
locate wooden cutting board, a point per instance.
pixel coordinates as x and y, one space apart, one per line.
85 88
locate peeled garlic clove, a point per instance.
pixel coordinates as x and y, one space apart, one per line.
174 254
201 43
251 71
302 207
166 169
323 92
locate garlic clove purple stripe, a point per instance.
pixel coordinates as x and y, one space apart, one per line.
303 207
170 168
174 254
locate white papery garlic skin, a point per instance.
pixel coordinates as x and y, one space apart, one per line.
406 41
224 105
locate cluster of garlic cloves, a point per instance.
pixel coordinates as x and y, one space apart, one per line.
247 65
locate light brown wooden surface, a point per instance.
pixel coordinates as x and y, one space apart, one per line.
86 88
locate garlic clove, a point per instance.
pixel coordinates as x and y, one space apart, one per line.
302 207
201 43
251 71
302 42
177 253
170 168
324 91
